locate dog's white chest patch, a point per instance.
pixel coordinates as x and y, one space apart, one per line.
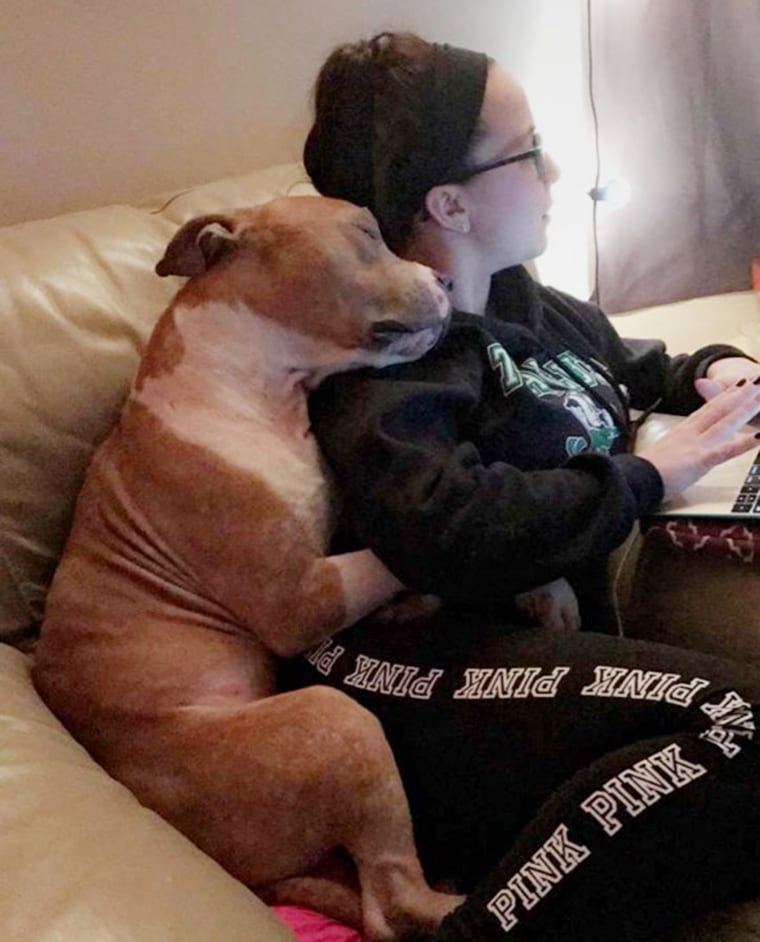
232 394
290 466
291 469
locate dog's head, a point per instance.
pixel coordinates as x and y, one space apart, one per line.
320 269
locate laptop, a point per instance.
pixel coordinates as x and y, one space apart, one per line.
730 491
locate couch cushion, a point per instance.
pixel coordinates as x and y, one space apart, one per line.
78 298
84 860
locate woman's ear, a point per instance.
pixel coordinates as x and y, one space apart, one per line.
446 204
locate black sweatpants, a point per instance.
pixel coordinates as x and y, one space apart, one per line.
577 786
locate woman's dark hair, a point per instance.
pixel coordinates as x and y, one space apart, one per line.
394 116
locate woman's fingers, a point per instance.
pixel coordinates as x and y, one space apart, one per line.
736 405
708 388
713 434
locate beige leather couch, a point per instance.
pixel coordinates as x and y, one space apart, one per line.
80 859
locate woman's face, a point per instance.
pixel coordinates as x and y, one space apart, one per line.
509 205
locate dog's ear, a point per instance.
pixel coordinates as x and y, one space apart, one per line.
197 246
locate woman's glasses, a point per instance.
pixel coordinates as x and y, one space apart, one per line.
535 154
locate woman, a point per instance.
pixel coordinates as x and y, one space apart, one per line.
621 778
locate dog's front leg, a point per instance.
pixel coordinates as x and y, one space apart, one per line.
333 593
367 583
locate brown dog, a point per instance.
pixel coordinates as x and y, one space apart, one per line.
197 555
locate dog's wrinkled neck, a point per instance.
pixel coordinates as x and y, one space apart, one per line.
226 359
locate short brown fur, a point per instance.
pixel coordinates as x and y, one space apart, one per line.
197 556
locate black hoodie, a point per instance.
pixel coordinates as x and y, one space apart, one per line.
498 462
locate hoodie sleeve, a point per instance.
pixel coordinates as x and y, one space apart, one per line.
418 492
644 367
653 376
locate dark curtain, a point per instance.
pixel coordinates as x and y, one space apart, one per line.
676 84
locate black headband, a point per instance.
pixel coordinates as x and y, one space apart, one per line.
452 106
389 182
455 100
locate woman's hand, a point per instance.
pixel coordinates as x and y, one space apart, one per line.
708 437
553 605
722 374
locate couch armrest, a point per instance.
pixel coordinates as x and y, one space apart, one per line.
687 325
83 860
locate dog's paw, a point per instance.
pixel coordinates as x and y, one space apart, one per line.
407 607
553 606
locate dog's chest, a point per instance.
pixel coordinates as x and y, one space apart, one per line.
294 471
271 449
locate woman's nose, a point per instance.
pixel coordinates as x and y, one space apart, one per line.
552 173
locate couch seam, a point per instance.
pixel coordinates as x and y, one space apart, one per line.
16 580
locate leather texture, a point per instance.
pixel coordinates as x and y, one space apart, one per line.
78 299
84 861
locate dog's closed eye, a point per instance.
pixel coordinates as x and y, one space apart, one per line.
373 233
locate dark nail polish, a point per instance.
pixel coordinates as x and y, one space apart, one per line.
756 381
757 435
741 382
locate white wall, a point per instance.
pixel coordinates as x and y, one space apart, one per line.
106 101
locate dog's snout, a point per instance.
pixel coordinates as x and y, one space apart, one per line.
385 330
445 281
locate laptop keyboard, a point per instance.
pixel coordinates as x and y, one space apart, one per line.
748 499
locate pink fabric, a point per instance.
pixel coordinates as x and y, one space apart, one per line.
715 538
310 926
